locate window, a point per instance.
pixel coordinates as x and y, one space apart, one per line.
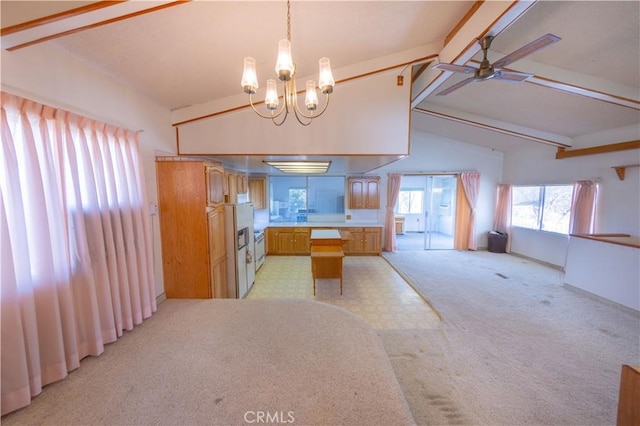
306 198
410 201
542 207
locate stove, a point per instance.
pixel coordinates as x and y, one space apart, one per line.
258 236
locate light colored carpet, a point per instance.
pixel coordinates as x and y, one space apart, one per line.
372 289
515 345
211 362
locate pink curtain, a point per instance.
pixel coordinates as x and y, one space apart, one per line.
502 216
583 207
471 185
75 242
393 189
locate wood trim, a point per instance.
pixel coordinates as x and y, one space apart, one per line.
96 25
600 149
488 127
58 17
419 71
616 239
472 10
621 170
344 80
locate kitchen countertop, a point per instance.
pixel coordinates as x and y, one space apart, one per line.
323 225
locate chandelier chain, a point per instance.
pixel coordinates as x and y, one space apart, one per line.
289 21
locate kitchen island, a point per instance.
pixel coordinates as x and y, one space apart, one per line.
326 255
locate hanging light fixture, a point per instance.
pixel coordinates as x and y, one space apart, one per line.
286 70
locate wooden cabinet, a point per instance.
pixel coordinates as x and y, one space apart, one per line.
258 192
366 241
241 183
191 227
364 192
296 240
288 241
232 182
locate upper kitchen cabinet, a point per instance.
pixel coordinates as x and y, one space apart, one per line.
364 192
191 206
258 192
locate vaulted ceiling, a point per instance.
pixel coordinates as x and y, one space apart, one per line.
188 53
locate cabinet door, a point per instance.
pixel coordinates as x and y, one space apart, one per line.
233 188
371 240
215 185
272 240
357 241
302 243
217 252
258 193
356 194
372 198
285 241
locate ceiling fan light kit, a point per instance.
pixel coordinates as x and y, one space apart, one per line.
286 69
487 70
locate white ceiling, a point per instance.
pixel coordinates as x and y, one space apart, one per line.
192 53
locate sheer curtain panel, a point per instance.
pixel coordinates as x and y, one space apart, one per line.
583 207
393 189
471 185
75 240
502 216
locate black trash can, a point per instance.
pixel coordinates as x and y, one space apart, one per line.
497 242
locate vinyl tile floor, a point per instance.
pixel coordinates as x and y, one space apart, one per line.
372 289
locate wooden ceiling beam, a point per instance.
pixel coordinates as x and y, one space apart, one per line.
600 149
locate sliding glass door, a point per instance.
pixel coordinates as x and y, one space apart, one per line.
426 205
440 212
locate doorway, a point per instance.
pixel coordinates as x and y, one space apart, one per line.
426 207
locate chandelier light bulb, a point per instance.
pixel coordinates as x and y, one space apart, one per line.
249 76
271 97
326 81
311 98
284 64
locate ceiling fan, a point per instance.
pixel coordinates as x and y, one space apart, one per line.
488 70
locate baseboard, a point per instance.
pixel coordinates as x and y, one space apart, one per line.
601 299
541 262
161 297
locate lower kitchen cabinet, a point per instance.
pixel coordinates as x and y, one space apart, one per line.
296 240
288 241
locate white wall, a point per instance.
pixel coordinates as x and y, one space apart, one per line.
368 115
436 154
619 201
51 76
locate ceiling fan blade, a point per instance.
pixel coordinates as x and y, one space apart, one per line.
455 87
534 46
455 68
512 75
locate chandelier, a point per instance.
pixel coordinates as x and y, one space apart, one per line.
286 70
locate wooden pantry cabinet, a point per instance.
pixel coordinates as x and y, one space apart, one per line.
364 192
191 206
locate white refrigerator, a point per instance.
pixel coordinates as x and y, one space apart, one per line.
241 269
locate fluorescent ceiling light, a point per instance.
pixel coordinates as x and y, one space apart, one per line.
301 167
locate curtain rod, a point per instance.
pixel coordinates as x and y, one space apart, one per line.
435 173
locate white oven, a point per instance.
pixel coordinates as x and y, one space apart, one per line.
259 248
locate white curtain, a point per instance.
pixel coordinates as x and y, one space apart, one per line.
471 185
502 215
393 189
583 207
75 241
